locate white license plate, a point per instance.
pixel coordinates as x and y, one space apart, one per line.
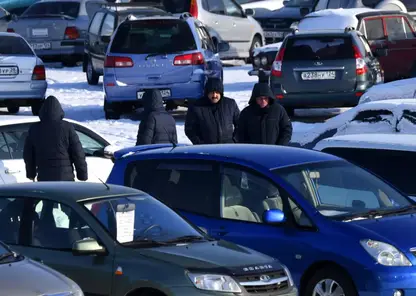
164 92
318 75
9 71
40 46
42 32
269 34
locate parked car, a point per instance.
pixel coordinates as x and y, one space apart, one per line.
102 25
172 53
261 4
22 75
114 240
390 156
335 218
17 276
388 117
55 29
391 31
324 69
262 61
376 4
13 133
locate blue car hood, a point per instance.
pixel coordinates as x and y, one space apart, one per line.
284 12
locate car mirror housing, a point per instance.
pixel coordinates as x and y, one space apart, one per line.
274 216
88 246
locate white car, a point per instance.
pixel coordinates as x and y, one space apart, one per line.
14 130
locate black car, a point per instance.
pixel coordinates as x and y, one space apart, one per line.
324 69
101 27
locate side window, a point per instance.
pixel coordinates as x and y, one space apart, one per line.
16 142
205 38
366 46
395 28
216 6
374 29
11 211
89 144
337 4
108 25
232 9
96 23
57 226
4 149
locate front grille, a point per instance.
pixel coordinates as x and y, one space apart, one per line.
276 23
276 283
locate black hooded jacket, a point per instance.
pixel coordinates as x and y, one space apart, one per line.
52 147
209 123
157 125
269 125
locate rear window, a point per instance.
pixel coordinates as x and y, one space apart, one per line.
10 45
53 9
319 48
144 37
176 6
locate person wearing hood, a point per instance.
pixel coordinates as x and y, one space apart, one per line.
213 118
264 121
157 125
52 147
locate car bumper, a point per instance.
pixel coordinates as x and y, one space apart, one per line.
60 48
23 90
191 291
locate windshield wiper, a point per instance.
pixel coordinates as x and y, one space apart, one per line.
375 213
145 241
400 210
7 255
185 239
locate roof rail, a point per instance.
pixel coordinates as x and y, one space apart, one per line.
349 29
185 15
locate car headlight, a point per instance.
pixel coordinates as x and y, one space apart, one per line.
257 61
385 254
264 61
288 274
214 282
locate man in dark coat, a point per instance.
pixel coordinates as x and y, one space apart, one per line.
264 121
52 147
213 118
157 125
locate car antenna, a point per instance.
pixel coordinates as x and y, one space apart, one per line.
105 184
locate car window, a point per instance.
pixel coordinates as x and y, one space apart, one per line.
232 9
57 226
4 149
16 143
96 23
216 6
55 9
245 197
205 38
11 45
11 211
395 28
374 29
410 5
319 48
177 6
189 186
143 37
371 3
108 25
89 144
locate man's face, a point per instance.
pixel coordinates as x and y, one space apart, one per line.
214 97
262 101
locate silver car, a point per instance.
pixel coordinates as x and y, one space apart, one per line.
22 74
22 276
55 29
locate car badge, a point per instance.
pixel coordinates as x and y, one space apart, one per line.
265 278
318 63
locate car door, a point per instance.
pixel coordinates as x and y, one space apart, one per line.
216 19
106 32
48 231
211 57
93 38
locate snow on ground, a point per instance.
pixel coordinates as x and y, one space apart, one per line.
400 89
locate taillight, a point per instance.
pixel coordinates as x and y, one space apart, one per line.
118 62
193 10
71 33
39 73
189 59
360 64
278 62
10 30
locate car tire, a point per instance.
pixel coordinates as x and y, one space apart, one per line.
36 107
330 279
109 111
254 44
92 76
13 109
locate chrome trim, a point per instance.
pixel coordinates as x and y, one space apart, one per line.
260 283
412 249
313 69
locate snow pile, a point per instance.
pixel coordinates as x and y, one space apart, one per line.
400 89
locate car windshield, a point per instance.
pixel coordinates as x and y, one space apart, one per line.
11 45
339 189
141 218
63 9
300 3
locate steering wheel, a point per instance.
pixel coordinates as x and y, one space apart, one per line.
143 233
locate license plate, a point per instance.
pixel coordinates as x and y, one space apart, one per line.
318 75
269 34
164 92
9 71
42 32
40 46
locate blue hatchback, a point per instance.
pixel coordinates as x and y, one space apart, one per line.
172 53
340 229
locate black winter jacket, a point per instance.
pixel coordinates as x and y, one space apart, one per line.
157 125
52 147
270 125
208 123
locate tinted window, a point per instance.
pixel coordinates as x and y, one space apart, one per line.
53 9
143 37
319 48
232 9
177 6
10 45
11 211
338 4
396 28
16 142
90 145
108 25
216 6
4 149
374 29
410 4
300 3
205 38
96 23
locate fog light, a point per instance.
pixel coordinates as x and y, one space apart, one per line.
398 293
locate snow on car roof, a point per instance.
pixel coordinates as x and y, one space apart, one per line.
399 89
403 142
267 48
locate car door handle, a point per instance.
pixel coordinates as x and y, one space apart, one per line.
234 24
11 171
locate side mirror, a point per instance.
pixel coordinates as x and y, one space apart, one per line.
223 46
274 216
88 246
303 11
109 150
106 39
249 12
381 52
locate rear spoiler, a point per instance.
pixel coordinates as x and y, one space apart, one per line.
94 5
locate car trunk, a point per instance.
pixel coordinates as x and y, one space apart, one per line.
22 65
319 65
33 29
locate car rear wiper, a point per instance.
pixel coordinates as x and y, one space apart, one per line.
7 255
185 239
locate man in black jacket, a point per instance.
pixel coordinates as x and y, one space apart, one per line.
157 125
52 147
264 121
213 118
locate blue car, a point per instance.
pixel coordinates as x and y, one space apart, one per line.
172 53
340 229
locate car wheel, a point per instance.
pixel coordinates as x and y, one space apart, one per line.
330 281
13 109
36 107
92 76
254 44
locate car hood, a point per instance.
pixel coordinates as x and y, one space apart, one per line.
29 278
284 12
218 256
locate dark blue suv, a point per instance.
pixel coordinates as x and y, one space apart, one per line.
172 53
340 229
